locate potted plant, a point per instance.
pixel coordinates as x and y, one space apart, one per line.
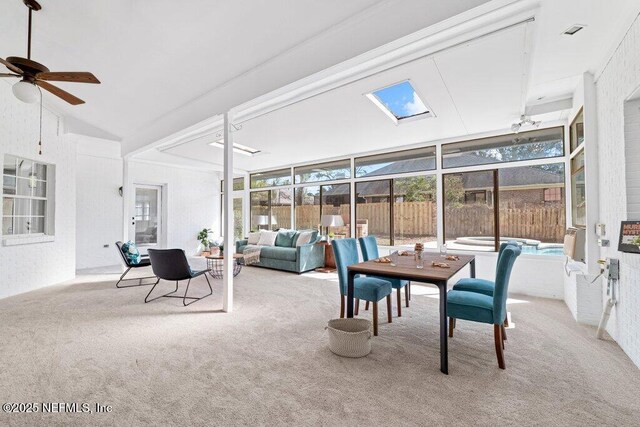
216 244
203 238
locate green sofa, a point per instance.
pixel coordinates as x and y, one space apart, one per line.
285 255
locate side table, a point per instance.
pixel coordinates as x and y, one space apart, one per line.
329 260
215 265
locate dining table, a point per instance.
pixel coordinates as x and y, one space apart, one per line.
406 269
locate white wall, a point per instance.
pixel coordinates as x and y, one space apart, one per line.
192 200
31 266
99 205
618 81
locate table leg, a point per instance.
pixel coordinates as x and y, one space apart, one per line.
472 267
444 350
350 276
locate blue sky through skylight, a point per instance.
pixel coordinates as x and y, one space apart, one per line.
401 100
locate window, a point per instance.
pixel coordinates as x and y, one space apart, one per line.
373 208
237 218
576 131
280 204
418 160
26 188
336 200
537 144
259 210
274 178
307 208
409 219
414 210
270 209
578 191
469 213
528 208
531 208
329 171
314 201
400 102
238 184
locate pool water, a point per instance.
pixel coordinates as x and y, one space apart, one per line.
535 250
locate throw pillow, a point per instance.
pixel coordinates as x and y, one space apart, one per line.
131 252
285 238
253 238
304 238
267 238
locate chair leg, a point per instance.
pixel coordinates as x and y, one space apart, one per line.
389 318
451 327
146 299
194 299
139 279
504 335
497 335
375 319
357 307
366 305
407 294
342 306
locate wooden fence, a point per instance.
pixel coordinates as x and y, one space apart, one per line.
545 223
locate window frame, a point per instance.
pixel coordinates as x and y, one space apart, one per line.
288 176
316 165
390 114
488 165
391 154
47 216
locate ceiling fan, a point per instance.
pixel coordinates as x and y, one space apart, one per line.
33 73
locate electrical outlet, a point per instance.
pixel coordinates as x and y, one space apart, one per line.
601 230
605 243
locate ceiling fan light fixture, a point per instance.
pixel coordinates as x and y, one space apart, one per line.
26 92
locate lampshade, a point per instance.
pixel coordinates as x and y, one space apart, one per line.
332 221
26 92
262 219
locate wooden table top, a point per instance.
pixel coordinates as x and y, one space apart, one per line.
406 268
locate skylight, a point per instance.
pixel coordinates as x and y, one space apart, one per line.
400 102
238 148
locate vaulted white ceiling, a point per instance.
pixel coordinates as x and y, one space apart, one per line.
167 64
345 121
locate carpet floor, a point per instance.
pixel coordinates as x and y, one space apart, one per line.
268 363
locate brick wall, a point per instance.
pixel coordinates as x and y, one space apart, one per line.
618 81
31 266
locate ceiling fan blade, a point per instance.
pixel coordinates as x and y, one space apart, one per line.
9 75
11 66
73 100
68 76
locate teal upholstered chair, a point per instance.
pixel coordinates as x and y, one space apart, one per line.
364 288
369 247
482 286
482 308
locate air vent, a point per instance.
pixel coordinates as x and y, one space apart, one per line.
573 29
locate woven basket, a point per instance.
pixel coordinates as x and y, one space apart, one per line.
350 337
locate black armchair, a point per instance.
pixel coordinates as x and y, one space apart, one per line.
172 265
144 262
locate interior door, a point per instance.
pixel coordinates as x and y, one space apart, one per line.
146 220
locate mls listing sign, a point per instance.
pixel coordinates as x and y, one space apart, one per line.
629 237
